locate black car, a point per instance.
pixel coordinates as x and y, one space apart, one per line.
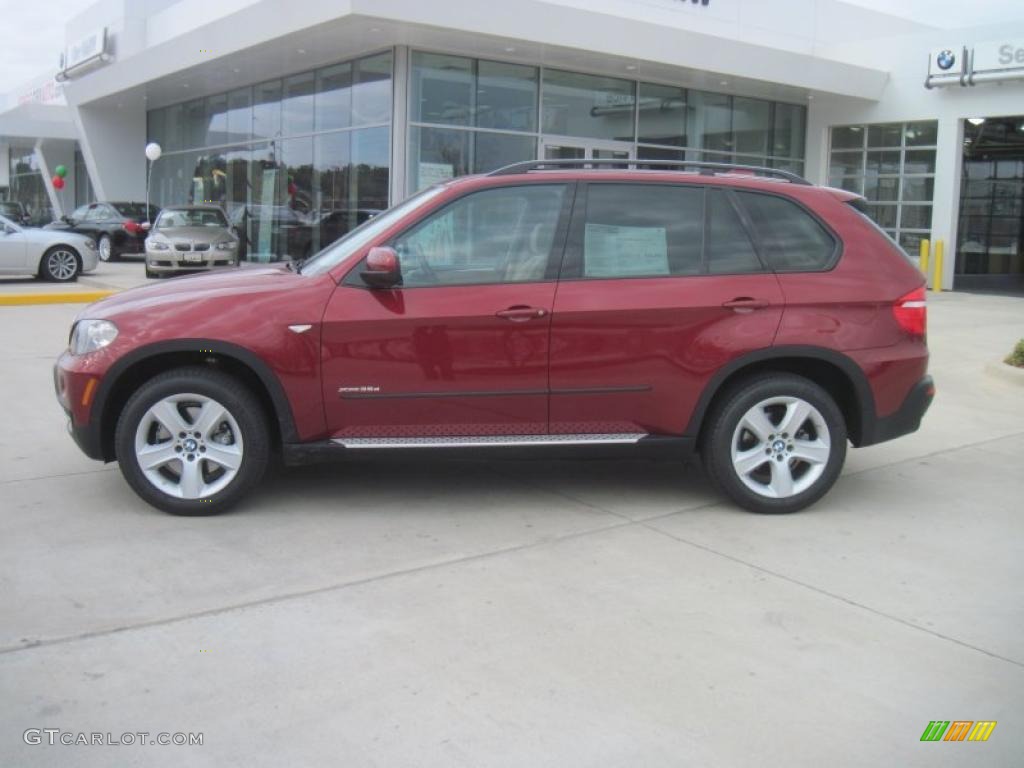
116 227
15 212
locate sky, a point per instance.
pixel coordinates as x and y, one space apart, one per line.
23 56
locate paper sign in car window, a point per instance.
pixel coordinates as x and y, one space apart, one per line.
614 251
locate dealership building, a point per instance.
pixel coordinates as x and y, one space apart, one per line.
303 119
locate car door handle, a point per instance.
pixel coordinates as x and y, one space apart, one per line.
520 314
741 303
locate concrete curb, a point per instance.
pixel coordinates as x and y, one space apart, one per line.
77 297
1006 372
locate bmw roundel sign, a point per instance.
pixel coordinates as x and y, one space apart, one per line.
945 60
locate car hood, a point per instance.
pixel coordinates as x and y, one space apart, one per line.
252 281
53 236
202 234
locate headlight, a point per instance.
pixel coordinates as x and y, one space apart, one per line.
228 246
90 335
156 245
90 244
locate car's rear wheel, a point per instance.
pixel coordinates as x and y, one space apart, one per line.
60 264
106 249
775 444
192 441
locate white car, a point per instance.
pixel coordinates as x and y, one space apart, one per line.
54 255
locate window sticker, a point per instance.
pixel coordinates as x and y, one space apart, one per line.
615 251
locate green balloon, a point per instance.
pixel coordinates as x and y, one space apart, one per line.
61 171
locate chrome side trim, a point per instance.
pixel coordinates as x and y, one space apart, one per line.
486 441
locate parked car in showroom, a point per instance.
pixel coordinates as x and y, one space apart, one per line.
117 228
190 238
56 256
739 312
16 212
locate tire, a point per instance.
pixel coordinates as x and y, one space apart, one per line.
151 274
183 477
801 443
60 264
105 247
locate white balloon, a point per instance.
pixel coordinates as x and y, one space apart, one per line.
153 151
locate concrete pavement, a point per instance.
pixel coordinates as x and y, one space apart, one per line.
507 613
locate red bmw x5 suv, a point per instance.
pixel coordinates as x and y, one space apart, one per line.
740 312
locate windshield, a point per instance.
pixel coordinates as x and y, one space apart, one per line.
135 210
191 217
10 209
341 249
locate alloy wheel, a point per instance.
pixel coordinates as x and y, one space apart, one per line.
61 264
780 447
189 446
104 248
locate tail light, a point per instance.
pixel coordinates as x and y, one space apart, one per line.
132 227
911 312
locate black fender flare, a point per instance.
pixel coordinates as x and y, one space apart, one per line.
853 372
282 408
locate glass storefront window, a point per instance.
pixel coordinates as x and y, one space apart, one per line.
789 129
506 96
334 97
889 164
239 121
297 105
371 91
282 158
751 125
710 125
266 110
441 89
588 106
437 154
216 120
662 115
174 137
494 150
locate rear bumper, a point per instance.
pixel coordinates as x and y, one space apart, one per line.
906 418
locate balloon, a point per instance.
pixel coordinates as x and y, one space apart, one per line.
153 151
61 171
58 182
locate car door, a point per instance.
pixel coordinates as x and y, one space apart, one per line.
460 348
13 248
661 287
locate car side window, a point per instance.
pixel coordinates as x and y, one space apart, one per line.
640 230
95 213
790 238
80 213
728 249
500 235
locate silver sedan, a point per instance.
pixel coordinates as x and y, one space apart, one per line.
190 237
54 255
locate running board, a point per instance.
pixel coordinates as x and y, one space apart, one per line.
485 441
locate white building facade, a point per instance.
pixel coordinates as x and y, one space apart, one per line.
303 119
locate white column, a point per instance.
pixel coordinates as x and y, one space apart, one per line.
113 143
399 123
949 160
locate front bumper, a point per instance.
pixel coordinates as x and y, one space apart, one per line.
171 261
907 418
76 385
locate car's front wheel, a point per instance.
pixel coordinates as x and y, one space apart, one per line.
192 441
776 443
60 265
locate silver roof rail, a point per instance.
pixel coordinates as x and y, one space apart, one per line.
705 169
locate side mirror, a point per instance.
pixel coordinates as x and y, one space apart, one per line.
383 269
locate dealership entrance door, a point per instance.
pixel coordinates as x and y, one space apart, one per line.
558 148
990 240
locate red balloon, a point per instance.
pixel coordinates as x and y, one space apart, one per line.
58 182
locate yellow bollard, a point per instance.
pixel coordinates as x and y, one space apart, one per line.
937 281
924 250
